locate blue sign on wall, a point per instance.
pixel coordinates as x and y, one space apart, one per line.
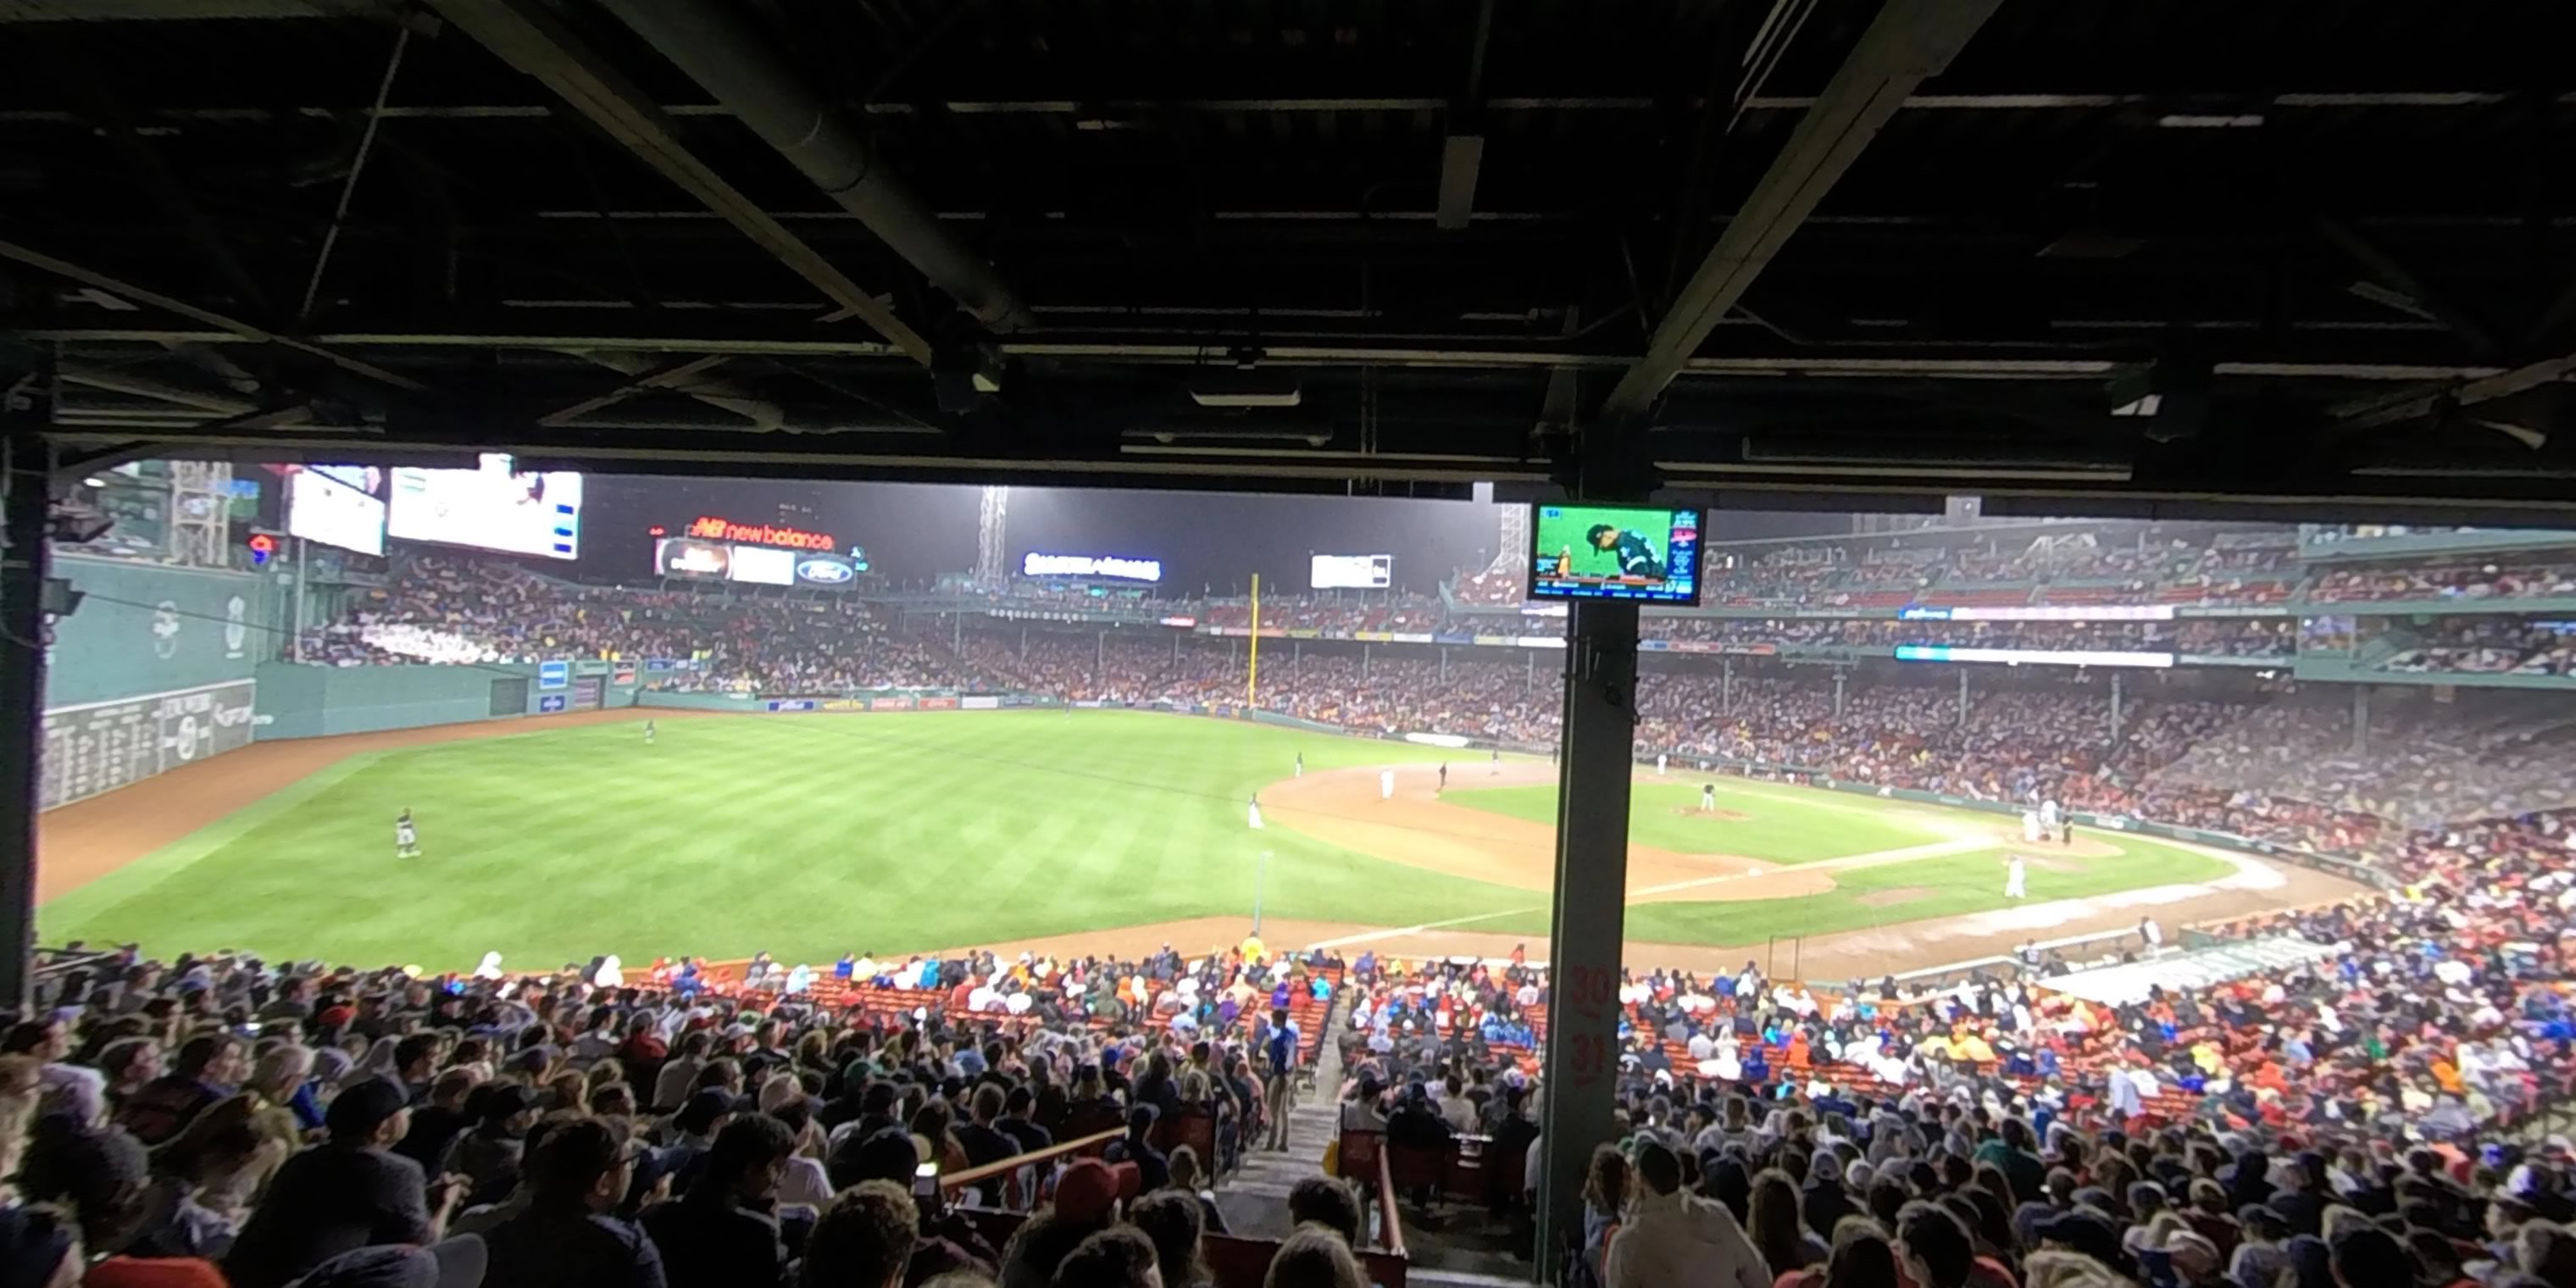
550 703
553 675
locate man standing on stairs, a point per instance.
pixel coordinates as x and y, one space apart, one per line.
1279 1086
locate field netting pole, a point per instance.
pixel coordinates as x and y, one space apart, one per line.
1591 912
22 689
1252 673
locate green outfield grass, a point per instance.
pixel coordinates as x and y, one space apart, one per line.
1783 825
804 836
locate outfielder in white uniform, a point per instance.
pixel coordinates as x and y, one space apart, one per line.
1659 764
2016 879
1386 784
406 837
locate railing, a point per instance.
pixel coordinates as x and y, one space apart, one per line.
1011 1166
1390 1225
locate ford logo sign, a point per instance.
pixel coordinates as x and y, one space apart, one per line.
823 570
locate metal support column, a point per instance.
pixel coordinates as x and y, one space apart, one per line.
1529 675
957 632
1591 890
22 690
2361 719
1100 653
1726 684
1839 677
1963 697
2115 709
1364 663
1444 664
1176 646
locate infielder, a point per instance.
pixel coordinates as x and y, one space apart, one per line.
1386 784
1498 762
1301 764
1444 779
1708 798
1659 764
2048 818
2016 879
406 837
2030 826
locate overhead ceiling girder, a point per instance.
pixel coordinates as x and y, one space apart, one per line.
533 40
1909 41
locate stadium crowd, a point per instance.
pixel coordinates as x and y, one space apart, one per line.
2346 1123
2483 645
220 1120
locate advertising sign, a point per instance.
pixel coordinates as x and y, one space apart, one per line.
1351 572
623 675
763 566
553 675
551 703
2034 656
496 506
682 557
336 506
889 704
791 704
825 570
1040 565
710 528
937 704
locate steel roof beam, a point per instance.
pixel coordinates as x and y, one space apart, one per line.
226 328
736 66
1909 41
529 38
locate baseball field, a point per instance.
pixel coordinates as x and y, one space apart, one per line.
809 835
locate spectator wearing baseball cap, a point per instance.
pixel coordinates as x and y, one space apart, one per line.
1085 1203
489 1156
2088 1231
720 1234
576 1178
349 1193
697 1124
946 1242
1153 1167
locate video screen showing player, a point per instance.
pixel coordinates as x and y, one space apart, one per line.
1625 552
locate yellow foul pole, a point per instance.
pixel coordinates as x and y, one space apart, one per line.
1252 678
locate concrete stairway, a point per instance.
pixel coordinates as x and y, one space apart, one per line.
1254 1199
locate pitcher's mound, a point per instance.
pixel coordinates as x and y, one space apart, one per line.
1712 815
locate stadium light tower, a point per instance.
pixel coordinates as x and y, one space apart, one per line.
991 523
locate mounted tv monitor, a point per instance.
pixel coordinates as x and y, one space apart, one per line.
1645 553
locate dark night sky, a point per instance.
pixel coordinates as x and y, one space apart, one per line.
917 532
